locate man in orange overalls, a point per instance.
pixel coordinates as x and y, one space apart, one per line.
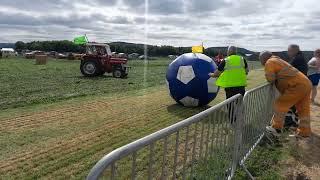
295 90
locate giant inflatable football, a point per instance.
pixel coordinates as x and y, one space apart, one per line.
188 80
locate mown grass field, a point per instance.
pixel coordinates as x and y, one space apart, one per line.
55 124
23 83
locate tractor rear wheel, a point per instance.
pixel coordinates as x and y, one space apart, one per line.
90 68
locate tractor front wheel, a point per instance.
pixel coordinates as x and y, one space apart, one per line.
90 69
118 73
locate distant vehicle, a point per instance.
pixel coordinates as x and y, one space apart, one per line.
8 52
122 55
141 57
29 55
23 52
74 56
32 54
70 56
133 56
98 60
172 56
52 54
61 56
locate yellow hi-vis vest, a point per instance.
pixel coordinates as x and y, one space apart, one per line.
234 74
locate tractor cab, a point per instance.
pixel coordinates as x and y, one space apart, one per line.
98 49
98 60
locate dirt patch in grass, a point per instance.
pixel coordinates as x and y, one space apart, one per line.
288 158
303 161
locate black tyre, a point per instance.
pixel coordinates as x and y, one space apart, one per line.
90 68
117 73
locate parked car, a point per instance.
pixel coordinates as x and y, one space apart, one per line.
74 56
122 55
141 57
133 56
61 56
172 56
52 54
32 54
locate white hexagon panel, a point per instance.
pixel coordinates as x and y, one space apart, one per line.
204 57
189 101
168 85
212 87
185 74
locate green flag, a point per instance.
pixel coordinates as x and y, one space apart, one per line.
80 40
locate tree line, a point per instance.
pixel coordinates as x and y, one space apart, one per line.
120 47
58 46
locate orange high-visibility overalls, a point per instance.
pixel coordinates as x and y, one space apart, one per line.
295 90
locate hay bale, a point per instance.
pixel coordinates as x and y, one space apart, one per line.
41 59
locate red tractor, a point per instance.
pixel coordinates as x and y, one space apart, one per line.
98 60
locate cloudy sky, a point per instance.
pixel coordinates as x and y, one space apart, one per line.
252 24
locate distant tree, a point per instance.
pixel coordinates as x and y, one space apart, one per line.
120 47
19 46
210 52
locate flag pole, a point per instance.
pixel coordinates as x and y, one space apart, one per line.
85 35
202 47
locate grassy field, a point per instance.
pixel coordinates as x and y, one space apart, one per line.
23 83
55 124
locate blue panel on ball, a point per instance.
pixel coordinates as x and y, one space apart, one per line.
191 80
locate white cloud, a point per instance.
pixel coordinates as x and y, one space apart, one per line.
251 24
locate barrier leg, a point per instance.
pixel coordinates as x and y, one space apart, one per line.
269 139
247 171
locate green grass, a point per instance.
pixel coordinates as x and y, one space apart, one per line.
262 164
266 161
57 124
24 83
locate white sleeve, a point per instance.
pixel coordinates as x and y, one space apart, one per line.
312 61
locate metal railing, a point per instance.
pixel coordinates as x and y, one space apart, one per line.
197 146
209 144
258 111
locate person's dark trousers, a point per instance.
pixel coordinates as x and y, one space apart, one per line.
232 91
292 118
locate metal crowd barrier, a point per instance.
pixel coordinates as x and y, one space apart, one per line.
258 111
209 145
199 146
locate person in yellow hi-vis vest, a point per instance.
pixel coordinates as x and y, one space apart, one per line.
232 73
